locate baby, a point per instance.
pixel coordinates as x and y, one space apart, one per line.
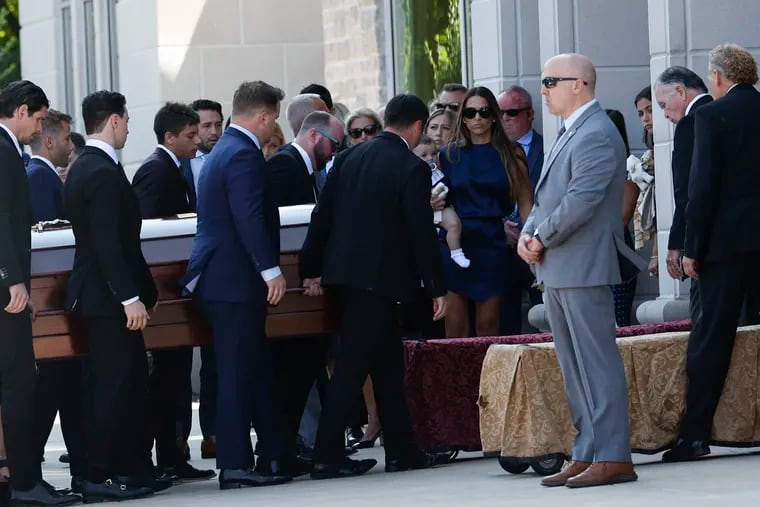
446 218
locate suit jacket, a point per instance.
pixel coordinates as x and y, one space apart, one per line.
238 233
577 204
187 175
535 158
683 147
723 215
46 190
373 226
15 220
160 187
289 177
109 266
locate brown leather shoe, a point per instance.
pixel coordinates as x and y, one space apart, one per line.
571 469
602 473
208 448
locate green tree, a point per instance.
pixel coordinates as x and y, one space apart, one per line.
433 52
10 55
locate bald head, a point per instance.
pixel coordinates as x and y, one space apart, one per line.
569 81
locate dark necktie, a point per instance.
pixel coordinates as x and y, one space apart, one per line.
559 134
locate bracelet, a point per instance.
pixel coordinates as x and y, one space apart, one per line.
653 257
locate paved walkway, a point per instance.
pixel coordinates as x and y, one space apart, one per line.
730 477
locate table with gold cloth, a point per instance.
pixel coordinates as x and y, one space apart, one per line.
524 413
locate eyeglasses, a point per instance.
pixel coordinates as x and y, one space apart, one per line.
514 112
335 143
369 130
551 82
454 106
471 112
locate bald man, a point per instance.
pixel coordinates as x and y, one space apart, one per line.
575 221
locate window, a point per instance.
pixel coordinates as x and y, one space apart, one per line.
113 53
68 57
427 44
89 46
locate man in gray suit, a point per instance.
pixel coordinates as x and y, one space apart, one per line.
575 223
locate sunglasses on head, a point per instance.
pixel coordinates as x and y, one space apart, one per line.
514 112
335 143
370 130
551 82
454 106
471 112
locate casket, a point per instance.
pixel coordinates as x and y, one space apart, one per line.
167 244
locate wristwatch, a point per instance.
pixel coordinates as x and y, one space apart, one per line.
535 235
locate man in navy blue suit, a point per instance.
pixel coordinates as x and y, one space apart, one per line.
50 149
517 115
234 272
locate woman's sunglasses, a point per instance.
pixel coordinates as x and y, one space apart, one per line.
369 130
471 112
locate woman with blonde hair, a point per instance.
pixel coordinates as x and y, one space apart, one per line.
362 125
488 176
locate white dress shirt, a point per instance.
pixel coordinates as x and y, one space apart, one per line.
196 164
525 141
171 154
305 157
47 163
693 101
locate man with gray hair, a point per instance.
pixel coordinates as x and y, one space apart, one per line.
679 93
721 245
300 107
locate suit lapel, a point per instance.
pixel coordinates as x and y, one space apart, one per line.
556 150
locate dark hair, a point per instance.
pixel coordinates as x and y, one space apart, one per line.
97 107
78 141
50 125
645 93
426 140
683 76
227 123
454 87
19 93
514 162
173 117
322 91
316 120
207 105
619 121
404 110
252 95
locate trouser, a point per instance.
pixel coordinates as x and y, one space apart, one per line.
18 378
582 321
723 289
370 344
116 425
207 398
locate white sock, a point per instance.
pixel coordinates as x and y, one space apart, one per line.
459 257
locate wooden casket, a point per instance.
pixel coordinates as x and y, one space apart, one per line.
167 244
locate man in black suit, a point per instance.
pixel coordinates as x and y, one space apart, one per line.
23 106
234 272
372 238
517 115
162 192
60 382
292 180
679 93
209 131
110 288
721 247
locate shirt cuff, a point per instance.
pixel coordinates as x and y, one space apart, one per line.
271 273
130 300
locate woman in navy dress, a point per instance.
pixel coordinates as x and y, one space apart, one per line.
488 175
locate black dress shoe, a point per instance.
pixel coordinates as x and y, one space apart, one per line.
185 472
234 479
354 434
418 460
64 458
76 484
293 467
686 450
155 481
112 491
43 494
346 468
368 443
348 451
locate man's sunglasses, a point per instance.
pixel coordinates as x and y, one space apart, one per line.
551 82
471 112
370 130
454 106
514 112
335 143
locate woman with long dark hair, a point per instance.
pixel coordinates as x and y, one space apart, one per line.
488 175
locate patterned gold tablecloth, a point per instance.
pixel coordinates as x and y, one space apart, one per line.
524 413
